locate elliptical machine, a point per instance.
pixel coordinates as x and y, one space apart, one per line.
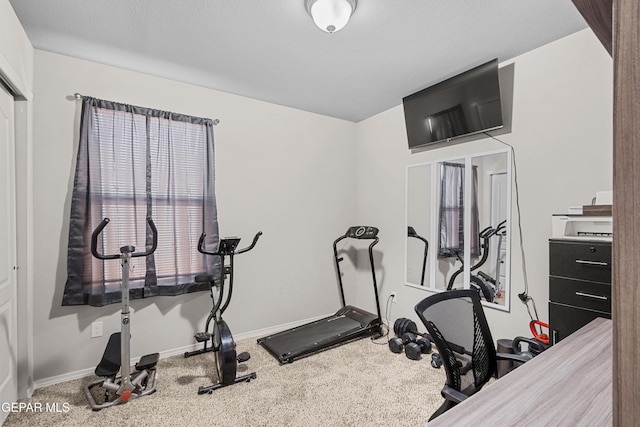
485 288
222 343
116 357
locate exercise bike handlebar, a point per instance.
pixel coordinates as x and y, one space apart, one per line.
202 250
487 232
490 231
253 243
103 224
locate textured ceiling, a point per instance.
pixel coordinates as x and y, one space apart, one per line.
271 50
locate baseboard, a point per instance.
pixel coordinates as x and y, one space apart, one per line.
45 382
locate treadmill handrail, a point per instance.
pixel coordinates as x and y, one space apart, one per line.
411 232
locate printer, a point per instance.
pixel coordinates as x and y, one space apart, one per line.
588 222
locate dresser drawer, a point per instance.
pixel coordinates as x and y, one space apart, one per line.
580 260
565 320
590 295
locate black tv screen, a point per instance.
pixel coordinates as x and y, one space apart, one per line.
462 105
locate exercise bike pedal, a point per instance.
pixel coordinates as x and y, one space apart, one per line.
202 336
243 357
148 361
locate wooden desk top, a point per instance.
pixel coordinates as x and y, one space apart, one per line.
567 385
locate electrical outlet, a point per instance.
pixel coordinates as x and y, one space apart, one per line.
96 329
394 297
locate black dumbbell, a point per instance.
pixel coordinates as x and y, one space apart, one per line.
436 360
396 345
415 350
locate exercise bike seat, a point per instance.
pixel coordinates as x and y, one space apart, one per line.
204 278
110 363
147 361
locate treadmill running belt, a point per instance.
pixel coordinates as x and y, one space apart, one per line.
311 334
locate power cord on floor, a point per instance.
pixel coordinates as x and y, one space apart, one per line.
384 326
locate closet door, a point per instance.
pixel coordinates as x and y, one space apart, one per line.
8 291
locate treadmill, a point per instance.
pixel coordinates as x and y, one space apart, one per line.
347 324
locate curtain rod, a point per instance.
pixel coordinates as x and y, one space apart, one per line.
80 96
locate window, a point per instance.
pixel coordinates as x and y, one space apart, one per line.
135 163
451 241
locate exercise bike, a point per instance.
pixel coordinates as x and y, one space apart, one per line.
116 357
222 344
485 288
501 232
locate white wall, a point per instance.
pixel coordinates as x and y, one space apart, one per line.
561 128
286 172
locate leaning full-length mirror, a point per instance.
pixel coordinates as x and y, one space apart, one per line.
444 199
491 268
419 224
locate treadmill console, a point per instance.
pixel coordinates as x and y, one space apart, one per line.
362 232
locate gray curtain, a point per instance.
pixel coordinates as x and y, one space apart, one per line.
451 240
133 163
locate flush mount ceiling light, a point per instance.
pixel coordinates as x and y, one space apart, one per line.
330 15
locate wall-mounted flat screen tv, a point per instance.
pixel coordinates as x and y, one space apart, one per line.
462 105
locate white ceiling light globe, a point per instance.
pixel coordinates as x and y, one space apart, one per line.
331 15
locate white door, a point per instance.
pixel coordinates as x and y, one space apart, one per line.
8 291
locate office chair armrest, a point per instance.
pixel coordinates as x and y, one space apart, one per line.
452 394
513 357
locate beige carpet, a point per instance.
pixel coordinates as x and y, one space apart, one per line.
358 384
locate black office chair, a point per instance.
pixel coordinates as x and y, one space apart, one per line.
457 324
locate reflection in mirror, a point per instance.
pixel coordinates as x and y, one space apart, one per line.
411 232
418 199
450 218
443 197
489 272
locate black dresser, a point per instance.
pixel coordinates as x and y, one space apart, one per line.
579 285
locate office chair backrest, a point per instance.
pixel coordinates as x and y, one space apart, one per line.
456 322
